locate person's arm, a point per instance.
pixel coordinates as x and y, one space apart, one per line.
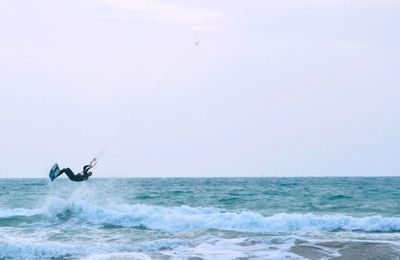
86 168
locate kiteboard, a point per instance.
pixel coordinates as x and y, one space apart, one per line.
54 172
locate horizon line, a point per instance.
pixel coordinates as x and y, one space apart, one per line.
218 177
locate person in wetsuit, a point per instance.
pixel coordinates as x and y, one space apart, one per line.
83 176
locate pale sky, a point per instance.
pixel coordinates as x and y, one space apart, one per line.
274 88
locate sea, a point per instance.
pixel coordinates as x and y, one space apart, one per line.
200 218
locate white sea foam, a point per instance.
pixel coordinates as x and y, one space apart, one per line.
118 256
184 218
206 248
238 248
213 249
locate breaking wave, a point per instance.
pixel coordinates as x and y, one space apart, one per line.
20 249
185 218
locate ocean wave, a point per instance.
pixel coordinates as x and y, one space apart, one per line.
28 249
25 249
206 247
185 218
330 196
7 213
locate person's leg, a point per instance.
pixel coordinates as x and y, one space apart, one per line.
60 172
69 173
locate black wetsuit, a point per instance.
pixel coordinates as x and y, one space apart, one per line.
77 177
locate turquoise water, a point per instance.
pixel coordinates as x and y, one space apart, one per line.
200 218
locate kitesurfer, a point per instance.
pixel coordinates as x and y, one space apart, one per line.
83 176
